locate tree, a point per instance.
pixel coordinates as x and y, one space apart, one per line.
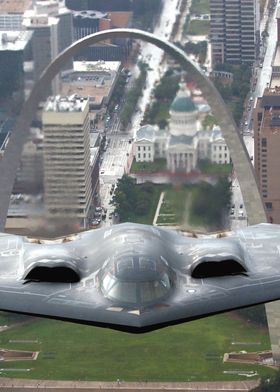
131 200
212 202
269 385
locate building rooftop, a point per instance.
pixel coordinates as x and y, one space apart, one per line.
183 104
14 6
90 79
181 139
120 18
271 122
275 82
34 20
14 40
101 65
270 100
73 103
88 14
146 132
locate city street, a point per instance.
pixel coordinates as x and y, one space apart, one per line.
118 156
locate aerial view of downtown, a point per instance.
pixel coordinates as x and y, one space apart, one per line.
139 195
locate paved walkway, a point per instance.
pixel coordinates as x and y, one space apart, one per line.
8 384
158 208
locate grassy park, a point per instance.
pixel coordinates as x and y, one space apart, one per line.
200 7
151 167
191 351
198 27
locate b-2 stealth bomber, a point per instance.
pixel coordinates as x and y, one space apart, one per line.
138 278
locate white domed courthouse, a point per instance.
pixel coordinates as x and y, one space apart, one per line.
184 141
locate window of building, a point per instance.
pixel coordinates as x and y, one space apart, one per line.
220 148
264 142
144 155
149 148
139 148
139 156
144 148
225 148
268 205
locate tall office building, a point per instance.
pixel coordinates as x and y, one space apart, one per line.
234 31
267 146
52 32
66 151
266 124
14 51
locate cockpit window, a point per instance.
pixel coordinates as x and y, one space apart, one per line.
137 280
124 292
146 264
156 289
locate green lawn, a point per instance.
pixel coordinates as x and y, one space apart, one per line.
190 351
198 27
214 168
200 7
152 167
177 201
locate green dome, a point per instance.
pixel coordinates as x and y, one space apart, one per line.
183 104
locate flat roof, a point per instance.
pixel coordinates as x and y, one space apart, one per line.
14 6
90 66
14 40
72 104
275 83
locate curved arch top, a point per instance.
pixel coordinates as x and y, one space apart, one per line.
239 155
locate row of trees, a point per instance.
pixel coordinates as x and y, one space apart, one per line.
133 96
118 92
198 49
164 93
211 203
146 13
236 93
269 385
256 314
131 200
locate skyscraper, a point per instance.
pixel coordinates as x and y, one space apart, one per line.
267 138
66 150
234 31
52 32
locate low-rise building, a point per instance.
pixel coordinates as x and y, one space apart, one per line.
94 80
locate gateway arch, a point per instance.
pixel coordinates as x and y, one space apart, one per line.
239 155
